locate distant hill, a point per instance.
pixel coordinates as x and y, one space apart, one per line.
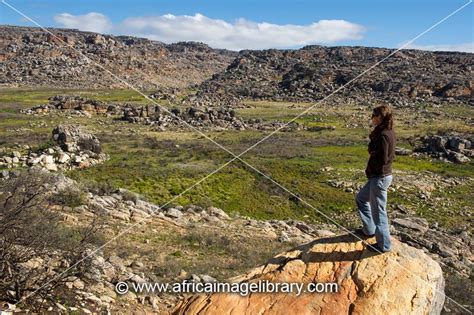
312 72
31 57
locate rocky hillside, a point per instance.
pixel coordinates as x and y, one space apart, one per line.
32 57
311 73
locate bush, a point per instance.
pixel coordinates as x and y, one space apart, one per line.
45 145
69 197
205 202
100 188
34 241
128 195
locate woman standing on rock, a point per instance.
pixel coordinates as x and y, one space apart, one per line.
372 198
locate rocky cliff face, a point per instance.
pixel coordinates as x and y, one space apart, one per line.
311 73
32 57
404 281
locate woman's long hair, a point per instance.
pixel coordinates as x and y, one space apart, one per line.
385 112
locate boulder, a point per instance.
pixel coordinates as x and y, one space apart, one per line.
403 281
457 157
47 159
51 167
63 158
402 151
72 138
174 213
218 212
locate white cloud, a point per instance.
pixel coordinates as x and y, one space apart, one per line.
242 34
93 22
464 47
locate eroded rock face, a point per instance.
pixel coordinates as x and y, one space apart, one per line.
404 281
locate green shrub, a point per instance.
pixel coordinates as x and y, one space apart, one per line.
69 197
100 188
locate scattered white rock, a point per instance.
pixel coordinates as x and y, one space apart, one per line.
63 158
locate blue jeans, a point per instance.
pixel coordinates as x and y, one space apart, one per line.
372 204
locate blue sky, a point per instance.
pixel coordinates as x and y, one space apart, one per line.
262 24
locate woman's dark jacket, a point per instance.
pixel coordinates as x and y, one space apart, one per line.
382 153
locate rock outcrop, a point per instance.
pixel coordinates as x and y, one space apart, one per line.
75 148
73 104
176 118
72 138
404 281
451 147
216 118
154 115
